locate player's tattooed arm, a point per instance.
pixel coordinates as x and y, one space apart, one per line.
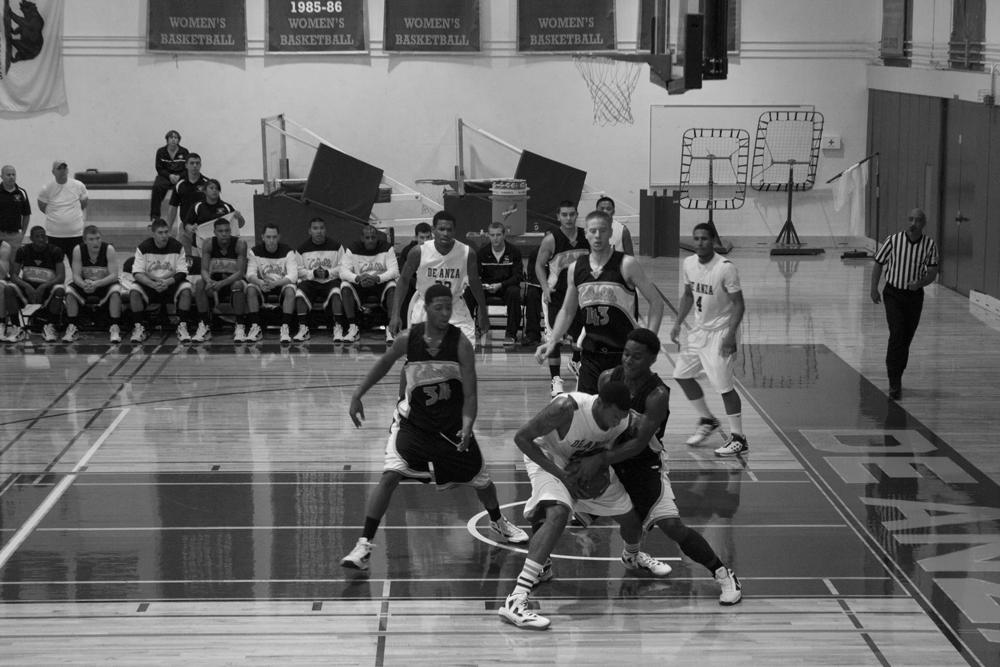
554 417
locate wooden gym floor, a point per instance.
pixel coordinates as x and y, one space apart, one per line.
166 504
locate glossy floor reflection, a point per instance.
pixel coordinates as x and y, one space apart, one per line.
224 484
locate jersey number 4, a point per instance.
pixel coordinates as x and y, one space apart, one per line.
697 304
437 392
597 316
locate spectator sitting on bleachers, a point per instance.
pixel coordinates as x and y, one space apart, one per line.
38 275
189 191
95 277
501 271
223 266
319 278
421 233
171 165
369 272
271 271
160 276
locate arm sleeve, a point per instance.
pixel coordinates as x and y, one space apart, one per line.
882 256
516 269
731 279
933 258
347 273
139 266
159 164
391 268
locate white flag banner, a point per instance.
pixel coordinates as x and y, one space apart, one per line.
31 67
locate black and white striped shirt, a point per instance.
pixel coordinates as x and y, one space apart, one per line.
906 261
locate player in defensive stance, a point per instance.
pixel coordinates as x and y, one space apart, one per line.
443 261
572 425
433 421
712 288
641 462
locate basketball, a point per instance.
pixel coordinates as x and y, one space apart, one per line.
593 487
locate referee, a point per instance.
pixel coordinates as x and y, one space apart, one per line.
910 261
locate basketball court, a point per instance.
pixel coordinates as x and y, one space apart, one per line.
165 504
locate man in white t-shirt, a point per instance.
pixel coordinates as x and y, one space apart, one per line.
712 288
63 201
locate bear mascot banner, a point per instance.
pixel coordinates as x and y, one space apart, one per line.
31 67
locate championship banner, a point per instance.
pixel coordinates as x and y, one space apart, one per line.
566 25
197 25
431 25
294 26
31 68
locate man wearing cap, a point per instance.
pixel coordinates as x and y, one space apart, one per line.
15 210
63 201
171 167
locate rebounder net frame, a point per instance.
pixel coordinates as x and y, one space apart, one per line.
714 165
786 150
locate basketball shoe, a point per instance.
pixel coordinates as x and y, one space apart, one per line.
732 591
515 611
644 562
736 446
360 556
508 531
557 386
706 427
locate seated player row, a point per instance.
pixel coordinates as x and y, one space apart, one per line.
321 274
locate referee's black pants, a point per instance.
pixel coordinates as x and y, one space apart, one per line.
902 312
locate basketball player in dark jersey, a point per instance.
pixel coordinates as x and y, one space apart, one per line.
603 285
223 265
640 462
433 422
95 276
556 254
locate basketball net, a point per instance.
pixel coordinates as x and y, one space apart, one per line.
611 84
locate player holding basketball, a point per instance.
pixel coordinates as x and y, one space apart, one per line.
571 426
712 288
447 262
557 252
603 285
433 421
641 462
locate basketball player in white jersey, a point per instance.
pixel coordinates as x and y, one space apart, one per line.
442 261
621 237
712 288
571 426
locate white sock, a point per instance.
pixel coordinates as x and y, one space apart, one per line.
736 423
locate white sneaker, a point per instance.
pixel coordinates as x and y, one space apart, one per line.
202 333
49 333
302 335
360 556
338 333
71 334
643 561
557 386
515 611
285 336
182 333
240 334
16 334
509 531
736 446
706 427
353 334
255 334
114 334
732 591
138 333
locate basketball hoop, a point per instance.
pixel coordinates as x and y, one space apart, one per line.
611 83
